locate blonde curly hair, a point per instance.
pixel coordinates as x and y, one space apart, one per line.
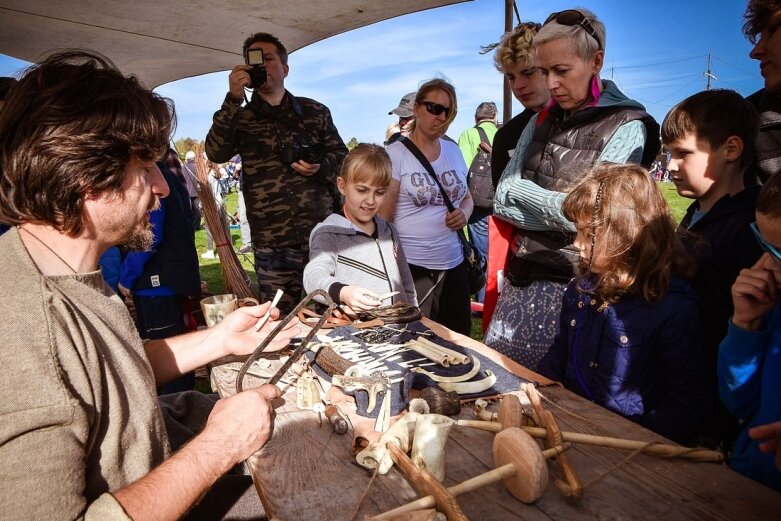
515 46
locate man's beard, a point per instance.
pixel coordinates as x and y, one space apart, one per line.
142 236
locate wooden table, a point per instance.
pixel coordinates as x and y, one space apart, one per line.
307 472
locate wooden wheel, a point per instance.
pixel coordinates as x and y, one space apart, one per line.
513 446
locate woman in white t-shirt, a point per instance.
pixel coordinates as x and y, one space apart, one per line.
414 203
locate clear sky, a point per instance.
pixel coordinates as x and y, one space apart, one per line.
656 52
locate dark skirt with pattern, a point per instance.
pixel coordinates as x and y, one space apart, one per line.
525 321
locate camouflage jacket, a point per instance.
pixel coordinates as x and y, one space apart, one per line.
282 205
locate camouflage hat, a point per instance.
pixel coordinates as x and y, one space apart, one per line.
404 110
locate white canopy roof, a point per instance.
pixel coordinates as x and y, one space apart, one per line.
166 40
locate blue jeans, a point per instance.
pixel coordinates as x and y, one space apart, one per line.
246 238
478 236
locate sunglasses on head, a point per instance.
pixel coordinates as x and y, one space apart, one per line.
572 17
772 250
435 109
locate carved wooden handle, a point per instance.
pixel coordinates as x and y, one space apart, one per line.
553 438
426 484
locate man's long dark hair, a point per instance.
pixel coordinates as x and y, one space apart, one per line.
68 131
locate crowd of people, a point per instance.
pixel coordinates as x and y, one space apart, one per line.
674 326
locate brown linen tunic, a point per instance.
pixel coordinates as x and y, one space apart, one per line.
80 417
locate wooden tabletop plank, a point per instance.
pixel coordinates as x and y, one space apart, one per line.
307 471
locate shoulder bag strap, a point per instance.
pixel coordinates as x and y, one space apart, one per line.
430 169
427 165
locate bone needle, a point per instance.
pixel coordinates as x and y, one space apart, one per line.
264 318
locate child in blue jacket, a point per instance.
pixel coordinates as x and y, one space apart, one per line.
749 366
630 338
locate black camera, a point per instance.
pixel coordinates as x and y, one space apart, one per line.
257 73
292 152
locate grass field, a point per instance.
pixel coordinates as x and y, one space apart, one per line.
678 204
212 274
210 268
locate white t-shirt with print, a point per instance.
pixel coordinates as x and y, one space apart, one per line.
421 211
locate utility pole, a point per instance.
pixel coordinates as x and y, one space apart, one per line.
507 102
708 75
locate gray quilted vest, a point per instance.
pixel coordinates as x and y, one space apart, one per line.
561 152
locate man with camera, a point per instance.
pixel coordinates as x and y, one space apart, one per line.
291 155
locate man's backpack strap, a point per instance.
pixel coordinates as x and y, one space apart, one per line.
483 135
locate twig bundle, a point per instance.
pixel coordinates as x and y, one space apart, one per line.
234 276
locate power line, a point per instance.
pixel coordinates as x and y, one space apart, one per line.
657 64
658 102
709 73
754 74
625 91
737 87
669 82
661 63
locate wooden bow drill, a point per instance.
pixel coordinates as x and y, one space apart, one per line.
511 415
301 347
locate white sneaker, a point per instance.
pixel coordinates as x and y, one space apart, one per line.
208 254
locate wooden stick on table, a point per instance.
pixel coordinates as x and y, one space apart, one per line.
646 447
520 463
571 486
426 483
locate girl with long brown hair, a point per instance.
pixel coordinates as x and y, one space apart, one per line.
630 337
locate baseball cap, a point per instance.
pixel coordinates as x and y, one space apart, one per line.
404 110
190 155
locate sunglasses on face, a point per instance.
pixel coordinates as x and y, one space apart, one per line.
772 250
572 17
435 109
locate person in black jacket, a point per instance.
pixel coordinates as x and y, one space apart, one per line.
711 136
513 59
762 21
161 279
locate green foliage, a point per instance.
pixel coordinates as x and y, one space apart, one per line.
185 144
352 143
477 328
